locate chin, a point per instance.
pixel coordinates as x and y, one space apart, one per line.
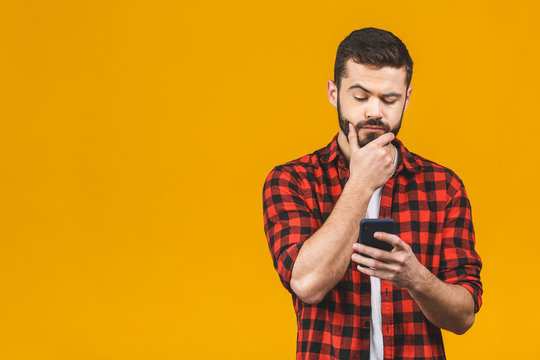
367 139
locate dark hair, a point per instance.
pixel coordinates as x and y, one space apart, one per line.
371 46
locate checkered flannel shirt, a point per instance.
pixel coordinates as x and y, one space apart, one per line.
432 213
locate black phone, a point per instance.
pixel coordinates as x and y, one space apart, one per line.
368 227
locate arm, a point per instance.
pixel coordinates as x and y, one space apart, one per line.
448 306
325 256
450 300
311 264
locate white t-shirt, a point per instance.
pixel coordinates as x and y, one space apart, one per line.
375 332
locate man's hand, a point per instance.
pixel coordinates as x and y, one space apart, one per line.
399 266
448 306
373 164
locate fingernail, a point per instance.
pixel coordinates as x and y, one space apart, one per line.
377 235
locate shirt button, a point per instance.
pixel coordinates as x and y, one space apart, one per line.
367 324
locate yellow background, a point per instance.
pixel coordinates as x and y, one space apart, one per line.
136 136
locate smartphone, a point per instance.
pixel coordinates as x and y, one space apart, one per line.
368 227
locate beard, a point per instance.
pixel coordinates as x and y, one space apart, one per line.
344 126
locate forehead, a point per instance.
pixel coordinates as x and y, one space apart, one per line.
381 79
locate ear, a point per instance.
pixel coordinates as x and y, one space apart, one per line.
408 97
332 92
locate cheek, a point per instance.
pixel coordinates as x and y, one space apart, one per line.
352 112
393 115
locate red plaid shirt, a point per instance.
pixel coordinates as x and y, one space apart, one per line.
432 213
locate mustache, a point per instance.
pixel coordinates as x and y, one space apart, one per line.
372 122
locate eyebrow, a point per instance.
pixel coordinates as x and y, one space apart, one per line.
390 94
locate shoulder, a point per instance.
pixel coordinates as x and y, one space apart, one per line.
304 168
438 176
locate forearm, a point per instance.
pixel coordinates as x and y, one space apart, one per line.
445 305
448 306
325 256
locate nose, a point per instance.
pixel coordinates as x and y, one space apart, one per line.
373 108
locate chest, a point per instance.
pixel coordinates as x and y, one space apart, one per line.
416 203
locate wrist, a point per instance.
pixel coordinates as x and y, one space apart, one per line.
358 189
421 281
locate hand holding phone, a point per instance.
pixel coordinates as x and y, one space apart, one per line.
368 227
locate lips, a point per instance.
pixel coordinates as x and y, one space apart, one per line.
372 128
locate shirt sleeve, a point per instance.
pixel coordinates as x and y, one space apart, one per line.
288 221
460 263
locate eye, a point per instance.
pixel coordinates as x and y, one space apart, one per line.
360 99
389 102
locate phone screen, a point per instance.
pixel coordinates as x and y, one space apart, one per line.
368 227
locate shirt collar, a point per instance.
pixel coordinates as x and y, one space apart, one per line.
407 161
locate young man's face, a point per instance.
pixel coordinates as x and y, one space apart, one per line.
371 99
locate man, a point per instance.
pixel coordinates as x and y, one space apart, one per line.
394 305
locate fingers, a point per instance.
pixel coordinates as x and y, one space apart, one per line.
386 256
370 262
392 239
353 139
396 266
375 253
381 274
384 139
368 271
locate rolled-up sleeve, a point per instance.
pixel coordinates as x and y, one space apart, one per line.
288 221
460 263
